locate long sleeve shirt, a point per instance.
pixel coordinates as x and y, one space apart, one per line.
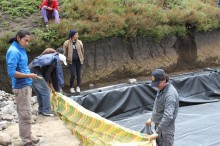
53 5
49 66
17 60
165 109
46 71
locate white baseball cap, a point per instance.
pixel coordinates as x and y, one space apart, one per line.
62 58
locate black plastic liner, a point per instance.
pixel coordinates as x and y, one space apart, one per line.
130 105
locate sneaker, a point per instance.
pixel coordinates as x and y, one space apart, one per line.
72 90
46 24
35 140
28 144
77 89
48 114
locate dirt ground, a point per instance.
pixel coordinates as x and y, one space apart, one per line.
50 130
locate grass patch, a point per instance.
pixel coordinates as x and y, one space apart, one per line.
100 19
19 8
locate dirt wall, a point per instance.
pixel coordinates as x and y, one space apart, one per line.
208 47
116 58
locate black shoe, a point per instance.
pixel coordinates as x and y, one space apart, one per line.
48 114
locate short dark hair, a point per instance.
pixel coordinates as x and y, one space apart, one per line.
59 50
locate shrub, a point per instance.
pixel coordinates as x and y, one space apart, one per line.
99 19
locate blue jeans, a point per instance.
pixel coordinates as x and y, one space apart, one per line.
45 15
42 91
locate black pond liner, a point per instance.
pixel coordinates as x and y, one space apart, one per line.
130 105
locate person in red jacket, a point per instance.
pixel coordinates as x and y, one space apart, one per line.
49 8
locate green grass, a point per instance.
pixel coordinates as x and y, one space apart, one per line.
99 19
19 8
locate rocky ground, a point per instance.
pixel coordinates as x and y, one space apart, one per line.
50 130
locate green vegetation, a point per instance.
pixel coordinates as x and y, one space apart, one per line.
96 19
19 8
99 19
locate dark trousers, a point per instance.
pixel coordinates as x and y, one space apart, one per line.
75 68
165 138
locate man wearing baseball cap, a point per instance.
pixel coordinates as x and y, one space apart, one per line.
165 109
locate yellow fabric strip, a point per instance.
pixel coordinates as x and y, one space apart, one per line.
92 129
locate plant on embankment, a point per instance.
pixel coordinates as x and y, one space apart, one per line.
100 19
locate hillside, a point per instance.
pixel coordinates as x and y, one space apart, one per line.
99 19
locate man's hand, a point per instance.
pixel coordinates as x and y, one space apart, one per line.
153 136
148 123
45 7
51 88
32 75
49 8
54 92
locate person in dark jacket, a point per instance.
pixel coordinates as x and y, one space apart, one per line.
17 66
49 8
48 80
165 109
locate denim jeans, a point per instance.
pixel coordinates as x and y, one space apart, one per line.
42 92
45 15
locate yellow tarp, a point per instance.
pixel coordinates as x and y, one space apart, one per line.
92 129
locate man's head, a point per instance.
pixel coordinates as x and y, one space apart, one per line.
159 78
22 37
59 50
73 34
62 59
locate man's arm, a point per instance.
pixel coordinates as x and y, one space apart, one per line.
55 5
48 75
44 3
51 87
168 113
65 49
12 62
81 44
48 72
22 75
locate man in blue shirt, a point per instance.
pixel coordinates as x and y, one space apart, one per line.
17 65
